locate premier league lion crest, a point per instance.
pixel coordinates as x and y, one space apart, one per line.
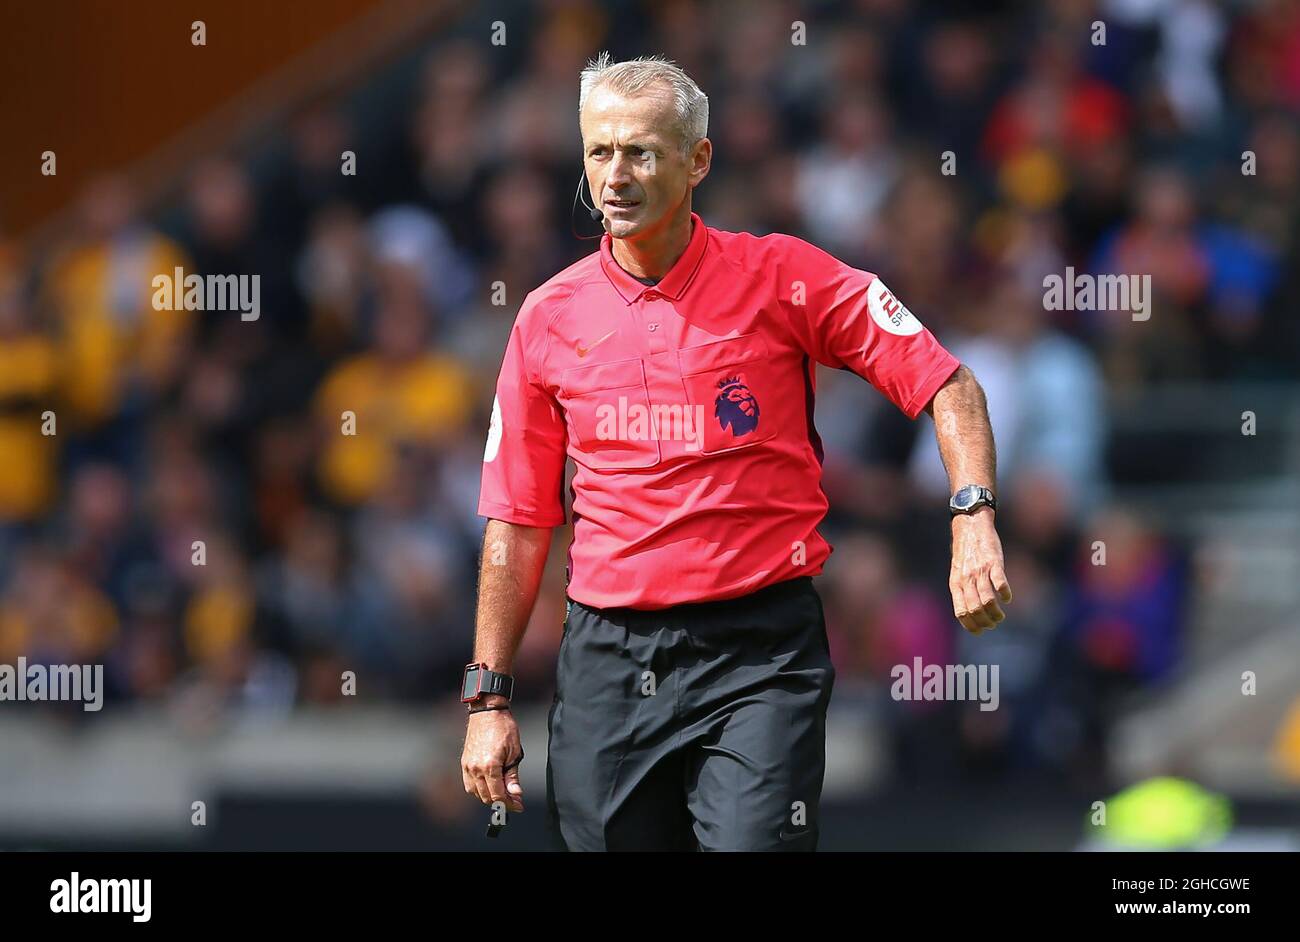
736 406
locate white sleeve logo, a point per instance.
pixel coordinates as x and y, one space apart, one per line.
494 433
887 311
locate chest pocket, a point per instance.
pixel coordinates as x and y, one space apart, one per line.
732 384
608 409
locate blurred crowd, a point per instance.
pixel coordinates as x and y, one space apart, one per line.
184 437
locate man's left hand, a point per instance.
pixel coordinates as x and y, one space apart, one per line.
977 581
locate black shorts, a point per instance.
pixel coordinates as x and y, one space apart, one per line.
697 727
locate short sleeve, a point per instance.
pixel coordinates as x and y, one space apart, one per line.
523 461
851 320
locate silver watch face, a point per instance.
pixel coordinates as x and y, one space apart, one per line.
965 497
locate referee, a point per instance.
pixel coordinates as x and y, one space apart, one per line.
676 367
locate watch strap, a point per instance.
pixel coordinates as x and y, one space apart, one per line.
494 683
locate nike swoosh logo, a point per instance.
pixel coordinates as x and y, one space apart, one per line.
583 351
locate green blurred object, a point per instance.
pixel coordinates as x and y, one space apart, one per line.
1165 814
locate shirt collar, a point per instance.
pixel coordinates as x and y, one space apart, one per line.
671 285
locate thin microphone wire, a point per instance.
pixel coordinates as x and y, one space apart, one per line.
595 213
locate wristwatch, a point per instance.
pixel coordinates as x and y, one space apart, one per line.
478 682
970 498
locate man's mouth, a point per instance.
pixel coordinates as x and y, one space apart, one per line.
621 204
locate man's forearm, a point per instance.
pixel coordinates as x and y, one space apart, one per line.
510 574
961 425
977 579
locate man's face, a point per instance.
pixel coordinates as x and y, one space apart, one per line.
635 168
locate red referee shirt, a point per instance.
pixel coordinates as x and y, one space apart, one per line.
687 407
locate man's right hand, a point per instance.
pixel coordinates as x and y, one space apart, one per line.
492 743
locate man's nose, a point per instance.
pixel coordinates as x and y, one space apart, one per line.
620 171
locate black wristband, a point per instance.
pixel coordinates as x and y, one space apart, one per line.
485 709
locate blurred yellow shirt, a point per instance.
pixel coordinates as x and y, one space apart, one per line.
216 620
83 628
108 325
422 402
27 458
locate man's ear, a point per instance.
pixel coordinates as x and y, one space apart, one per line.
701 161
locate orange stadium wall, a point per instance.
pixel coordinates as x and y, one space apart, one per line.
101 89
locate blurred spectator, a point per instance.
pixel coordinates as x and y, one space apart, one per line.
113 343
413 254
398 393
226 236
843 181
49 614
28 377
1057 109
881 622
1124 614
